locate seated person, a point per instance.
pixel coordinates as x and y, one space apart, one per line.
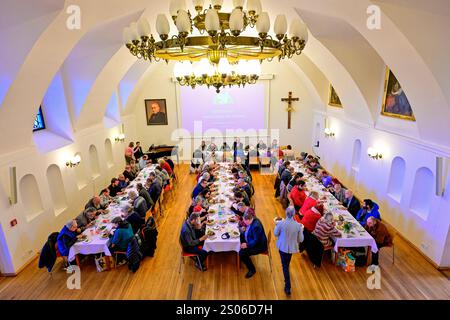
144 194
288 153
153 187
123 182
294 181
128 173
190 241
325 230
163 174
123 234
297 196
239 197
311 216
133 218
225 147
143 162
338 192
66 239
261 145
114 188
134 168
351 203
380 233
253 242
170 163
138 203
96 202
310 202
368 209
164 165
105 198
86 219
326 179
199 188
204 198
246 187
287 175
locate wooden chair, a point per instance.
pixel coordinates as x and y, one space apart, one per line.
189 255
268 252
116 254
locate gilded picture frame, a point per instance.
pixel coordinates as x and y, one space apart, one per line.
333 98
395 103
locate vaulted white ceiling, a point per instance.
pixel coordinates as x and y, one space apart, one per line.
94 66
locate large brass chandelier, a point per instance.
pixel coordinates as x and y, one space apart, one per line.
219 46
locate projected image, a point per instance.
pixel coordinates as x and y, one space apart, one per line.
231 109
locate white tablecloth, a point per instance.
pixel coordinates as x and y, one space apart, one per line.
94 243
358 237
218 244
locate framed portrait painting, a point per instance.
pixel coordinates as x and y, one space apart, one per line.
395 102
156 111
333 98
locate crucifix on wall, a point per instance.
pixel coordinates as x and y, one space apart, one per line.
289 109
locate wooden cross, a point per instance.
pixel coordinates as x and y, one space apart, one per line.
289 100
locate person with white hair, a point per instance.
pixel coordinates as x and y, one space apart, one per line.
289 233
139 204
67 238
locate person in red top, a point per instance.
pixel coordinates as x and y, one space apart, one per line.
311 216
310 202
165 166
297 196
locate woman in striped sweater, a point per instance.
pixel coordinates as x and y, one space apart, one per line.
325 230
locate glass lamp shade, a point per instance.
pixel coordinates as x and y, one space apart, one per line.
187 69
212 21
198 3
299 30
280 26
175 6
162 24
217 3
183 22
143 27
134 31
238 3
237 20
242 68
224 66
254 5
263 23
127 35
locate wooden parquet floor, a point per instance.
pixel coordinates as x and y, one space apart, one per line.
411 277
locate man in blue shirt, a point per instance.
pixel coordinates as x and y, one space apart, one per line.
199 188
253 242
326 179
369 209
290 234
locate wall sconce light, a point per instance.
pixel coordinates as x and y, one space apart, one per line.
74 161
329 133
120 138
374 154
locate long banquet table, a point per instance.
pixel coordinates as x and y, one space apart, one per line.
358 236
96 241
222 215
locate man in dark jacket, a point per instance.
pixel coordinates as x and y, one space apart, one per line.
144 194
351 203
154 187
254 242
190 241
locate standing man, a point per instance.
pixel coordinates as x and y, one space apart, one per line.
289 233
254 242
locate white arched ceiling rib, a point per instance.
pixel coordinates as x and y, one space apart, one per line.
44 60
21 23
431 108
356 107
94 68
435 16
128 82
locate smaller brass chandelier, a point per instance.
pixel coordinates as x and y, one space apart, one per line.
221 75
